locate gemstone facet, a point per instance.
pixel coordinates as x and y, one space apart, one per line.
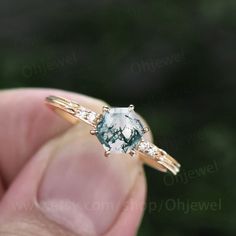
119 130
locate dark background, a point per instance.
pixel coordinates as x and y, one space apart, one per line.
174 60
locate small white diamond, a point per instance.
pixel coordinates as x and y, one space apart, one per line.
91 117
152 151
82 113
143 146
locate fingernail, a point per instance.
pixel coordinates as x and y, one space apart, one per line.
81 189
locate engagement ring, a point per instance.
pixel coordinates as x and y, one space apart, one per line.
119 130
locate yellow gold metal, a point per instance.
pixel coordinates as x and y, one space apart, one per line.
93 131
107 153
145 151
105 109
146 129
63 107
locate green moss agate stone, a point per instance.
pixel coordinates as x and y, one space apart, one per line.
120 130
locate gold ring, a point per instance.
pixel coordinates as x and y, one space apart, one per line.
119 130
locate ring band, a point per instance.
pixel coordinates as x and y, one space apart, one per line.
118 129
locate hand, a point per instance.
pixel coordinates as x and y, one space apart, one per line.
54 177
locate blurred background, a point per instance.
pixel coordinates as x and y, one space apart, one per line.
174 60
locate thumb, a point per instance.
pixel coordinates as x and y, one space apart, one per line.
70 188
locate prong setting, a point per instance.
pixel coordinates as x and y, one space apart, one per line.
99 117
120 130
132 153
131 107
93 131
107 153
105 109
145 130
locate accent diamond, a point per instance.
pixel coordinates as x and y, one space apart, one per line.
82 113
148 148
86 115
91 117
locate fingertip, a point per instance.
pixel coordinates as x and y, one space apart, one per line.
129 219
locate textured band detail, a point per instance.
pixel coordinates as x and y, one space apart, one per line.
158 155
74 109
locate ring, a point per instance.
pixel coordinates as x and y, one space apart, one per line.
119 130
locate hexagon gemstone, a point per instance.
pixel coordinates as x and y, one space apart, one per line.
120 130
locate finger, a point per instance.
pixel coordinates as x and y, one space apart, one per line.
69 188
26 123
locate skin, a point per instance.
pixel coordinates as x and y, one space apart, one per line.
44 159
